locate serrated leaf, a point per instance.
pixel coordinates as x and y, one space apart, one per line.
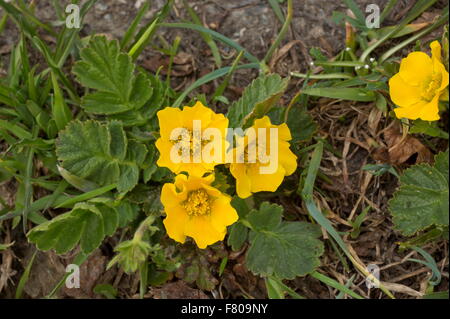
127 212
161 97
428 128
87 224
257 100
240 205
281 249
112 73
422 199
266 218
441 164
238 234
100 153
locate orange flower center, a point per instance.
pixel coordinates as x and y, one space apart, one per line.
197 203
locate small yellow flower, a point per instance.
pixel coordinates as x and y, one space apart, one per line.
416 89
196 209
249 172
193 161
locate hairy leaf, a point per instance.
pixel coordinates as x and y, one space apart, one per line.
112 74
257 100
100 153
422 198
279 248
88 223
238 234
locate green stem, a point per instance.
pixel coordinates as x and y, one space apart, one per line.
281 35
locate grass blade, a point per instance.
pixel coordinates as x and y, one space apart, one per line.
215 35
210 77
206 37
25 276
277 10
126 39
333 283
85 196
417 10
307 196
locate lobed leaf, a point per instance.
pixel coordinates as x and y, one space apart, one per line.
257 100
100 153
421 200
272 240
88 223
111 73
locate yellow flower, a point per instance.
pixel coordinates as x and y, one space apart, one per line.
192 121
416 89
253 175
196 209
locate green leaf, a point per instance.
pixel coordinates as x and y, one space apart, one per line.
161 97
422 198
352 94
127 213
87 223
238 234
112 74
106 290
281 249
257 100
5 246
131 254
100 153
437 295
428 128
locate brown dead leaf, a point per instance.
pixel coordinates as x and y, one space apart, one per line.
90 272
183 64
46 272
282 52
401 149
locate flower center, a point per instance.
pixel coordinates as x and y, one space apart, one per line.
431 86
191 143
255 151
197 203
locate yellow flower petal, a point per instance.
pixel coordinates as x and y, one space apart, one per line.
170 197
193 162
287 158
175 223
164 147
436 50
402 93
243 184
169 119
197 112
415 68
440 68
265 182
223 214
430 111
284 133
196 209
427 111
202 231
